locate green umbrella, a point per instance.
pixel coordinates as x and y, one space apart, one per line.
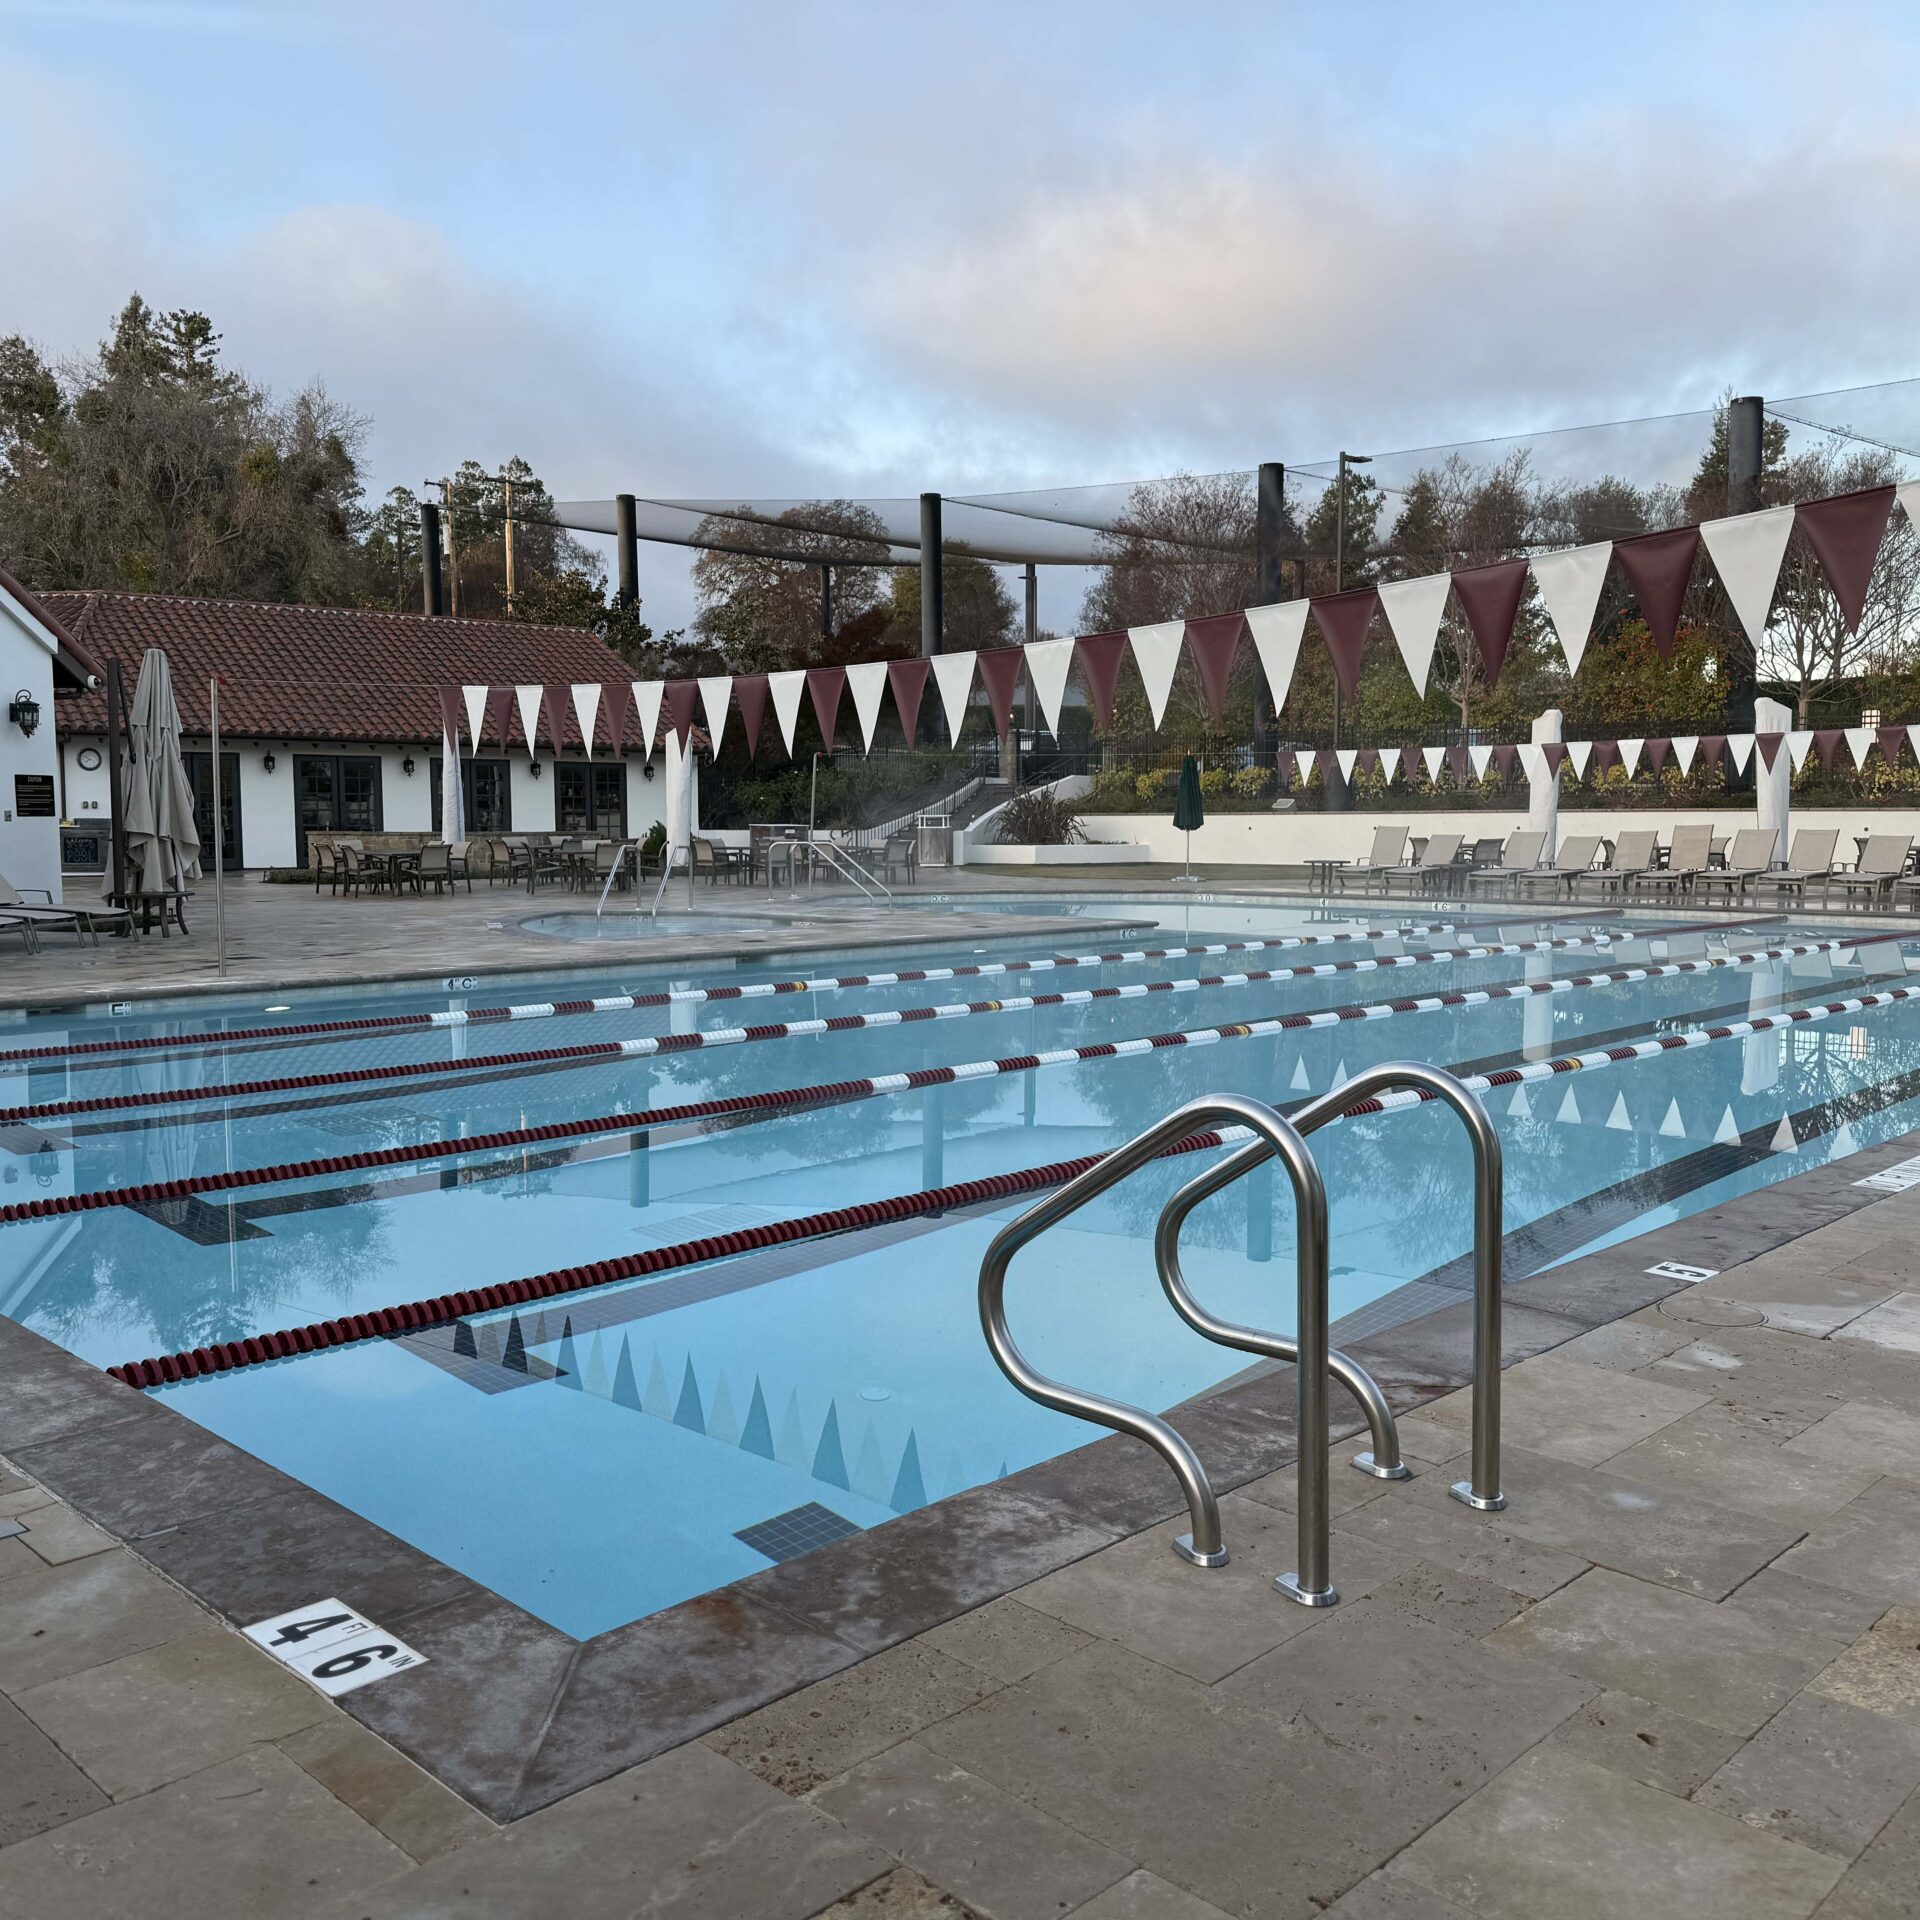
1188 812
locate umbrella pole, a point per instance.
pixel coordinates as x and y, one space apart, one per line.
219 849
116 781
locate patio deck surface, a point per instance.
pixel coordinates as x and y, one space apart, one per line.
1678 1676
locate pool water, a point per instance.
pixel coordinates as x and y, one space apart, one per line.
632 1445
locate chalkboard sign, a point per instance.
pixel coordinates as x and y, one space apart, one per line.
33 796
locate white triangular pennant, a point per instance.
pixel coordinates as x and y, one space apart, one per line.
586 709
1673 1126
1339 1074
1413 609
1389 764
867 682
1799 745
1727 1133
716 695
1299 1083
953 675
527 699
1481 758
1740 746
1276 634
1570 585
1435 757
1579 752
1844 1141
1783 1140
1619 1118
1533 764
1913 740
647 695
1630 755
1908 494
476 699
1685 746
1519 1105
1156 652
1048 662
1569 1114
1859 739
1746 552
1346 757
785 690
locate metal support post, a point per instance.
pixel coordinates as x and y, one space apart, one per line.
932 591
627 549
1746 455
432 599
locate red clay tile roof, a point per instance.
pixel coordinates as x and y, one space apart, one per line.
69 655
328 673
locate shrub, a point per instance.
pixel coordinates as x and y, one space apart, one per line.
1253 783
1156 787
1215 783
1039 818
1113 791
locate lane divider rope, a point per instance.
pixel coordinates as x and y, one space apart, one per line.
836 1092
262 1349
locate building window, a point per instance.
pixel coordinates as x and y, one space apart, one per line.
336 793
591 798
486 796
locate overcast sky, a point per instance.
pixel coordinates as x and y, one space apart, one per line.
776 249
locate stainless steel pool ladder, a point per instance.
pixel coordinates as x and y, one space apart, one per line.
1275 1137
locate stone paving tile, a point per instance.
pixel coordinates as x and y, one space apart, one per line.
1596 1289
1358 1680
1573 1412
40 1787
1006 1638
810 1737
899 1895
57 1534
51 1392
1615 1521
1444 1597
1857 1433
1871 1546
1007 1860
1879 1885
1786 1600
1715 1456
1645 1742
1446 1534
1881 1670
250 1837
1347 1486
1145 1896
1427 1440
63 1619
1203 1621
384 1788
1622 1346
15 1558
1757 1366
1801 1299
1387 1896
1894 1324
1820 1772
688 1835
151 1717
1265 1817
1437 1350
1557 1836
1691 1656
25 1500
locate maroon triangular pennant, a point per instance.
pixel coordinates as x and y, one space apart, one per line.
824 685
1503 758
750 689
1891 739
1212 642
1554 753
450 703
1327 761
1343 619
556 711
680 697
1457 760
1827 741
1490 598
1713 747
1000 675
1844 533
614 695
1367 760
1657 751
1606 753
1658 567
908 679
1769 745
1100 655
499 714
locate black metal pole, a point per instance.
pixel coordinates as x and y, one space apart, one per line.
1270 560
627 544
117 780
932 594
1746 453
430 596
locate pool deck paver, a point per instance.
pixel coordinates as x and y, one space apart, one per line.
1679 1676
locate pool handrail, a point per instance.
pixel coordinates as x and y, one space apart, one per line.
1203 1545
1482 1491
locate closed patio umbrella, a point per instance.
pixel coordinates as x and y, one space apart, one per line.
1188 813
163 844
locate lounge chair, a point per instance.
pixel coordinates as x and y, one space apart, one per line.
1575 859
1431 870
1520 855
83 922
1882 863
1748 859
1809 862
1389 843
19 923
1633 855
1687 859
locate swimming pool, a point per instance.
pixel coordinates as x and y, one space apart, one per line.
735 1391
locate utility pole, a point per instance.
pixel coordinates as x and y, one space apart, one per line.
506 528
453 548
430 590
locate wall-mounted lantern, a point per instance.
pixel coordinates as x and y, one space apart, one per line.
24 711
406 766
268 761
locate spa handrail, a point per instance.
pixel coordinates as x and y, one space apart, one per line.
1276 1138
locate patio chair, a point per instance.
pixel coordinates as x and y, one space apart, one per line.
459 864
1687 859
83 922
1486 851
508 859
900 854
435 869
1575 858
1520 855
1809 862
1882 864
1633 855
1748 859
1432 866
715 863
353 872
1383 858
